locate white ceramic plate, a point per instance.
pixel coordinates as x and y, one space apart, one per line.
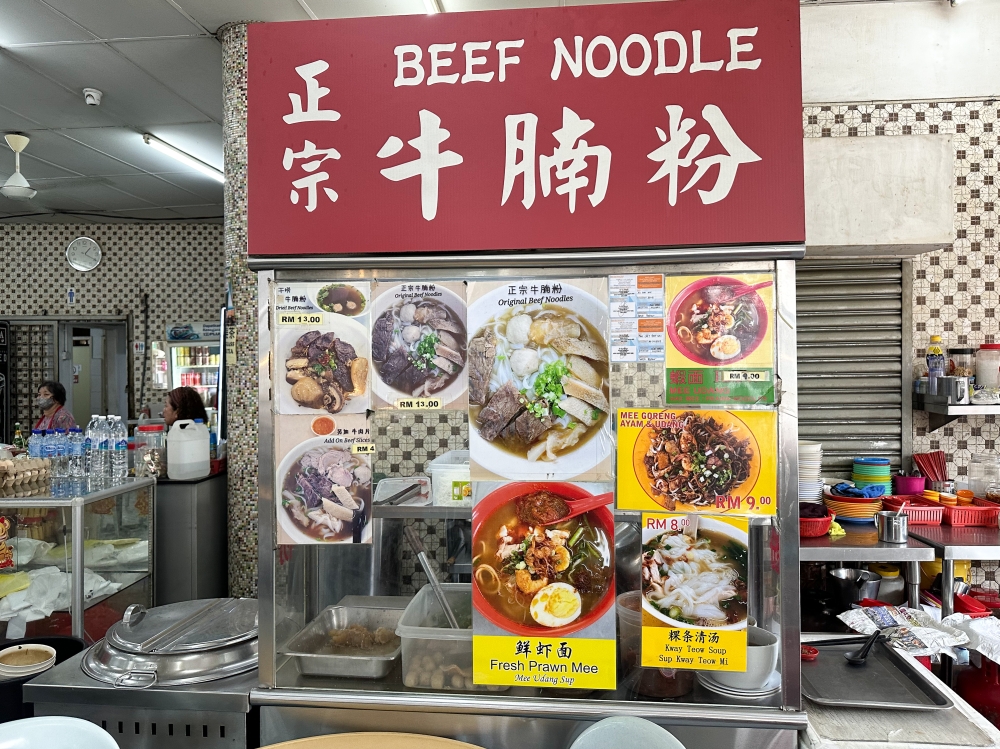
709 524
584 457
772 685
348 330
451 300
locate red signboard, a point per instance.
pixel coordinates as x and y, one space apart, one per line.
652 124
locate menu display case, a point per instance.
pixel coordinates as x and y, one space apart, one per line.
80 553
344 561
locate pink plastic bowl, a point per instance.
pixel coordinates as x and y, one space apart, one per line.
909 484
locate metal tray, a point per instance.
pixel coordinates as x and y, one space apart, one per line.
886 681
308 644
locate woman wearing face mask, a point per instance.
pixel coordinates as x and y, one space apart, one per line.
51 400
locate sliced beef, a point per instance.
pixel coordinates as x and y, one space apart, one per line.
382 336
410 379
393 366
301 347
449 353
482 353
343 355
526 428
321 345
446 324
344 351
502 408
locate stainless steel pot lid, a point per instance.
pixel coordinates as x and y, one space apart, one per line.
182 643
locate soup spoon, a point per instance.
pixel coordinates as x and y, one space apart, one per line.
582 506
721 294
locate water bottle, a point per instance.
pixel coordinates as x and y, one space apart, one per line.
35 443
103 468
49 452
119 455
90 447
76 453
60 456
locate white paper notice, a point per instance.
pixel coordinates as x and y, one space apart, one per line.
637 325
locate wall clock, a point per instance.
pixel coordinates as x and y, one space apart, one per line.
83 254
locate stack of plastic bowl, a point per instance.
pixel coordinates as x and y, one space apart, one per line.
854 510
872 472
810 466
25 660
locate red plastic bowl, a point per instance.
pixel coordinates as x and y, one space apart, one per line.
601 516
684 297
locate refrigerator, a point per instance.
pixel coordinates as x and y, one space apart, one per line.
189 355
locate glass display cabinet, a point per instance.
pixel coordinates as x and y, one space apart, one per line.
339 572
81 553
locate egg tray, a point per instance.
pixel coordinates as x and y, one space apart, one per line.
15 473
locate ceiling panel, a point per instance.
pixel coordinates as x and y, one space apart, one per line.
213 13
205 211
57 200
144 213
187 66
359 8
12 121
46 103
130 95
31 167
127 145
207 189
26 21
158 191
68 154
116 19
102 197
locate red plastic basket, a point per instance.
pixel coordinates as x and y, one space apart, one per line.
814 527
984 513
918 510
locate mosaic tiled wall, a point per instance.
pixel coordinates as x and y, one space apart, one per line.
955 293
180 266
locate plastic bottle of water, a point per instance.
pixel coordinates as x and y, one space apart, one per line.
61 454
119 455
102 463
90 446
35 443
75 453
49 452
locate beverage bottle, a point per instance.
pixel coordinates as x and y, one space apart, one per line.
18 437
61 457
49 451
935 364
76 453
119 453
103 469
35 443
90 446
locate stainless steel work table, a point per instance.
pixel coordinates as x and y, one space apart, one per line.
865 547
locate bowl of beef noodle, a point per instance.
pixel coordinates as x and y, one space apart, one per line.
539 386
418 345
717 321
695 575
534 574
325 493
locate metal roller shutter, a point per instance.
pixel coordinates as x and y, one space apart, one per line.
854 352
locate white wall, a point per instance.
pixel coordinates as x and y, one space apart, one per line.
900 51
891 192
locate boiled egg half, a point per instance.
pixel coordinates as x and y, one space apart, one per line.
556 605
726 347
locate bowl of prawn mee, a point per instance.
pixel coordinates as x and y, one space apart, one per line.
717 321
534 574
696 576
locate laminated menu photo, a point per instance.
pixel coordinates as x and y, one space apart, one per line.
539 380
543 585
322 347
323 481
418 345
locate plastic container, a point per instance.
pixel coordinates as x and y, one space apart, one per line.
435 656
650 682
187 451
908 484
150 438
961 362
930 570
988 366
984 471
388 487
451 480
936 364
815 527
892 589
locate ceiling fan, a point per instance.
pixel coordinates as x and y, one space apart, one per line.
17 187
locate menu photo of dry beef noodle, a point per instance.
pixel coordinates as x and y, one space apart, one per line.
418 345
539 380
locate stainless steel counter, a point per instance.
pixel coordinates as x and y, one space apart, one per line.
862 547
66 683
950 542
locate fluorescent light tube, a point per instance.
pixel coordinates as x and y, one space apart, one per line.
184 158
432 7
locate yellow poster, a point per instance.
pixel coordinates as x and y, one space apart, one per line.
719 462
720 339
569 663
694 592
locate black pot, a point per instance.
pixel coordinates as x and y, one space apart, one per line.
11 707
